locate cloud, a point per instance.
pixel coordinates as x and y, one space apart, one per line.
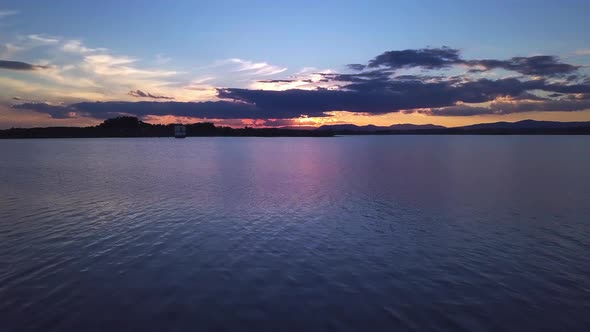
547 106
311 102
79 73
18 65
76 46
378 96
103 110
582 52
444 57
12 118
55 111
372 89
445 98
256 68
356 66
143 94
580 96
375 75
458 110
306 79
87 70
9 50
5 13
276 81
121 66
501 108
542 65
162 60
529 96
429 58
43 39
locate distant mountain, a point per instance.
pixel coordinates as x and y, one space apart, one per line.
409 126
347 127
371 128
298 127
526 124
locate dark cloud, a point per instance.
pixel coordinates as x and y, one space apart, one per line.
360 81
566 88
409 77
18 65
356 66
499 108
540 65
547 106
293 103
457 110
379 96
376 96
143 94
55 111
104 110
439 58
429 58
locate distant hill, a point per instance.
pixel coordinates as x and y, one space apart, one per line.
527 124
525 127
409 126
371 128
347 127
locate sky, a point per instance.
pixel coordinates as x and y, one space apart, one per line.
293 63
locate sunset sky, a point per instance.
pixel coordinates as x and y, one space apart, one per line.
279 63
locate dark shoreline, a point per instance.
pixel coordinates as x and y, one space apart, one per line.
495 132
57 132
42 133
132 127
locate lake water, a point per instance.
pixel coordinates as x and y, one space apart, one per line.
372 233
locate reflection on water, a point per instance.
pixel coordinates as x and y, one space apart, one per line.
421 233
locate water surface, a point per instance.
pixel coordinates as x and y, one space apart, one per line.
371 233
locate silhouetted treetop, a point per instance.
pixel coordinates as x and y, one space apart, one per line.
122 122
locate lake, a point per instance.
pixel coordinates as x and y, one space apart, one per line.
360 233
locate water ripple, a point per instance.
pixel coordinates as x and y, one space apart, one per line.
349 234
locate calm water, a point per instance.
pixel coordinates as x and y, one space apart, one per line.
428 233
